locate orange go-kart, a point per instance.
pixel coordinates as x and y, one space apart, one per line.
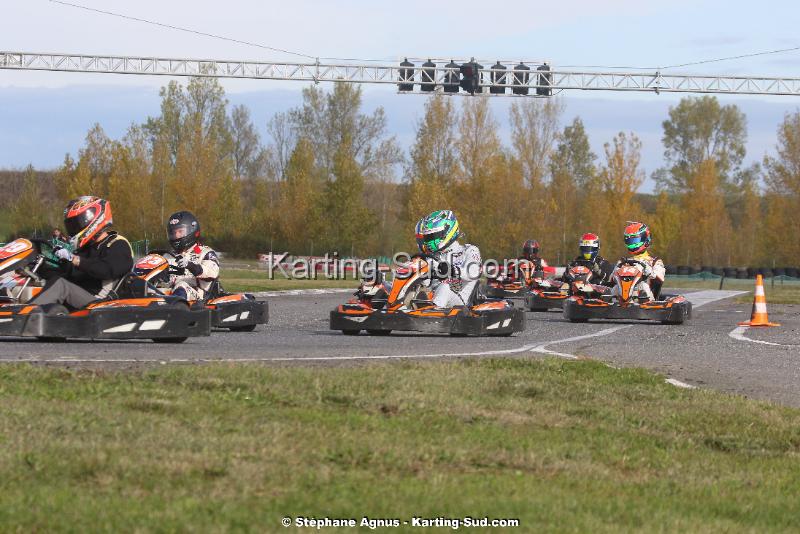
627 300
238 312
405 305
121 316
551 293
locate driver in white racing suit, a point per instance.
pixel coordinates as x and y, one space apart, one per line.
199 263
455 268
637 241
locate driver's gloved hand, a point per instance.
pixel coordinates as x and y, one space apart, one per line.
183 262
445 271
64 254
647 270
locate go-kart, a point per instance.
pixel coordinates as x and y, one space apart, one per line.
160 318
405 305
238 312
627 300
551 293
510 280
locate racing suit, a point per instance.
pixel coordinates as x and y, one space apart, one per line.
465 267
654 275
101 266
200 274
602 270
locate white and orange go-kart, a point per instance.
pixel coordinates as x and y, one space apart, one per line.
405 304
629 299
237 312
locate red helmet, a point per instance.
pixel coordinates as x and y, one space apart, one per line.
85 218
530 249
589 246
637 237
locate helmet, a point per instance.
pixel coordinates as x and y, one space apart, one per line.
437 231
183 230
85 218
530 249
589 246
637 237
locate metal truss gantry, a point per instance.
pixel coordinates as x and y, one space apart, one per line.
555 79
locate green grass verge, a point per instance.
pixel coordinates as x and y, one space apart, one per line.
779 293
563 446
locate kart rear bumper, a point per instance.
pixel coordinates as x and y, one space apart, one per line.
495 292
673 310
477 323
151 322
543 301
239 313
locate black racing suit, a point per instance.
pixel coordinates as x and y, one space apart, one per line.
602 270
102 264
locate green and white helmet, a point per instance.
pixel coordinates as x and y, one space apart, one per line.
437 231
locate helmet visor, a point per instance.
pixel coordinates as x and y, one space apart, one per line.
588 252
177 232
75 225
634 242
431 241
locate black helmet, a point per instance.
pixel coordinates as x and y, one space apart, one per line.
530 249
183 230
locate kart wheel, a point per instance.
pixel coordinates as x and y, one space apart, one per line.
50 339
247 328
537 309
679 321
578 320
379 332
458 334
351 332
171 340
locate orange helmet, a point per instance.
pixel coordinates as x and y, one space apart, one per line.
85 218
637 237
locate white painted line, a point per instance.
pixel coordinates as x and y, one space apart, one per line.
738 333
542 348
701 298
679 384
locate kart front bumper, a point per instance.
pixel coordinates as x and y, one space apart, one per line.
674 310
543 301
476 323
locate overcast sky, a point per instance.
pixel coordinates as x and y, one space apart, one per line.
45 115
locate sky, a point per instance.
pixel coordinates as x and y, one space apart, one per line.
44 115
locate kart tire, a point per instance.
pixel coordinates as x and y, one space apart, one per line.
679 321
246 328
578 319
170 340
374 332
537 309
351 332
505 334
458 334
51 339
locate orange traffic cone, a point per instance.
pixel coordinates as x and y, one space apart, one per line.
758 317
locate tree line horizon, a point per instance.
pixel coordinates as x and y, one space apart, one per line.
331 177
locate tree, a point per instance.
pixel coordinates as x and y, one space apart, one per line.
706 228
665 225
433 166
572 181
619 179
783 192
29 213
246 143
698 130
299 200
534 130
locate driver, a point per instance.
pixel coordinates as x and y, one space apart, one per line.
602 270
530 252
637 241
99 257
199 263
456 267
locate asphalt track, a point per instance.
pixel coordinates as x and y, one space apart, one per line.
709 351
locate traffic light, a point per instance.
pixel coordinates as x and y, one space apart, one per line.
428 76
521 79
470 78
406 75
545 80
498 79
451 77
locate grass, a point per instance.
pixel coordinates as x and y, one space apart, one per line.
563 446
258 280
